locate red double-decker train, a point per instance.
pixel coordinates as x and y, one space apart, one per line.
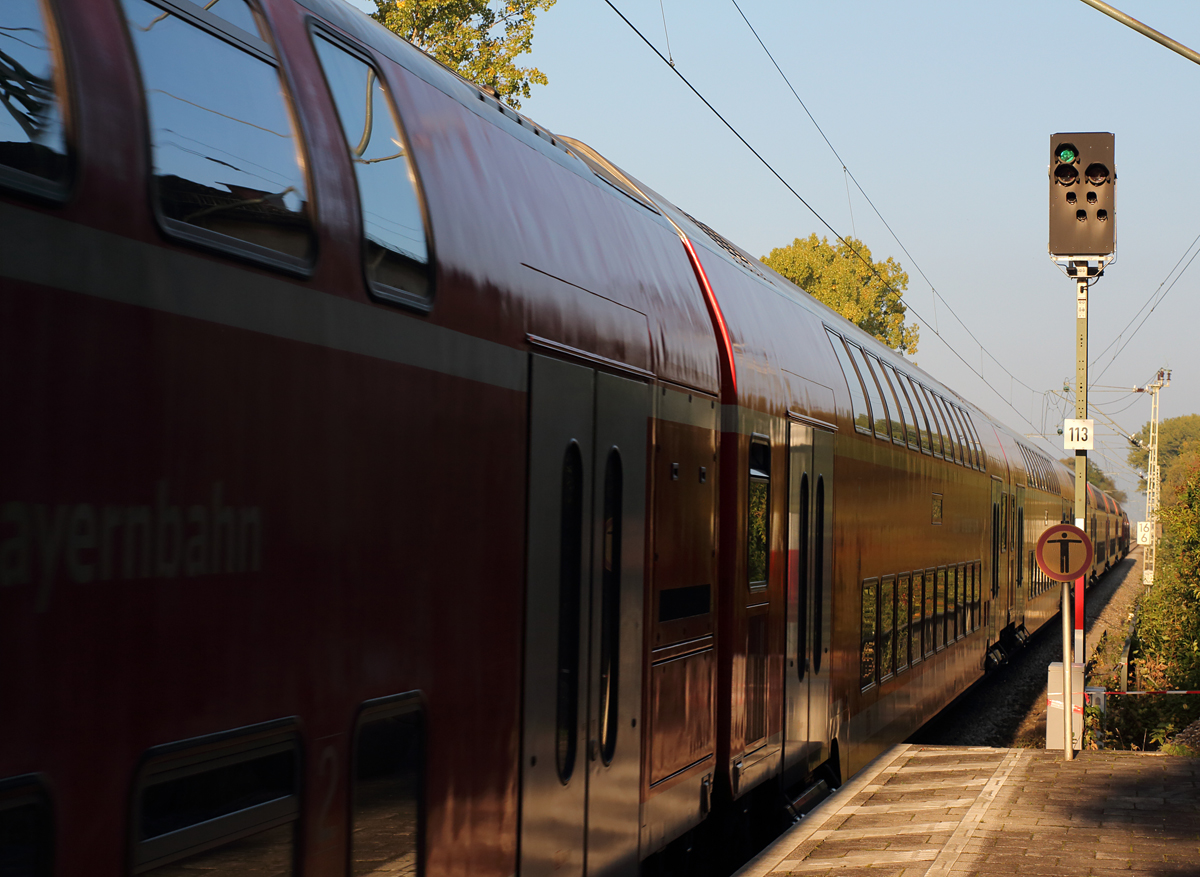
391 485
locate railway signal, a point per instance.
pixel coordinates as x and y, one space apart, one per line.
1083 240
1083 195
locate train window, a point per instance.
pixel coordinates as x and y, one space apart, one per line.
895 415
887 626
935 428
228 165
903 613
610 604
756 675
26 827
914 398
33 138
858 395
394 243
236 12
219 802
570 559
961 594
972 440
964 440
1003 523
951 617
976 452
879 411
930 606
977 583
949 430
916 615
758 515
911 418
868 663
818 575
939 618
387 809
802 575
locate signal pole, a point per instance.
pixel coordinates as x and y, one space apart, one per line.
1082 241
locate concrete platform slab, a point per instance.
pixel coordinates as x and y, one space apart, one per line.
937 811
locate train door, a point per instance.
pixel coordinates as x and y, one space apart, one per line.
809 579
581 752
994 606
1018 556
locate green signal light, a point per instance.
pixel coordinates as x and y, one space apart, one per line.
1067 155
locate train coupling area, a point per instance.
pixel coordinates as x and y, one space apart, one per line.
938 811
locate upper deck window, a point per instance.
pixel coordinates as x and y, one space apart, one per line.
33 142
906 410
858 396
395 251
228 166
895 416
878 408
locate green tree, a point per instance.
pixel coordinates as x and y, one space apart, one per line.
868 295
1178 448
480 39
1097 477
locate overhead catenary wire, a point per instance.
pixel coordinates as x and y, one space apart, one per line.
933 289
854 250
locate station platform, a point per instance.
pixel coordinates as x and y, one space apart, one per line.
936 810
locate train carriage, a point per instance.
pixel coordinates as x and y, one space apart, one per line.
393 484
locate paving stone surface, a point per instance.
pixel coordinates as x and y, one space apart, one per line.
935 811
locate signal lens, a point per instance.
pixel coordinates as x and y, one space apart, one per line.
1065 175
1067 153
1097 174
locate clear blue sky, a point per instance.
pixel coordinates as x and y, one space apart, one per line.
943 111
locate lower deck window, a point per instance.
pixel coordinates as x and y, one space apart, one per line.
26 828
226 803
387 810
868 657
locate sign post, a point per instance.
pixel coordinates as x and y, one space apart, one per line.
1064 553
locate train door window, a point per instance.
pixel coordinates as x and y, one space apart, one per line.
610 604
887 626
878 409
917 615
903 614
216 803
868 656
940 446
930 610
1003 523
939 624
818 579
394 238
805 523
33 137
228 163
858 394
759 514
26 828
756 674
895 415
977 582
387 809
569 608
